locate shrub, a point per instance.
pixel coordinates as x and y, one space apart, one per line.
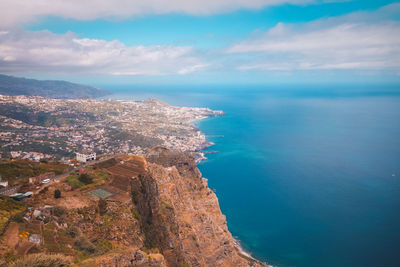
136 214
43 260
57 193
73 231
83 244
85 178
18 218
59 211
44 190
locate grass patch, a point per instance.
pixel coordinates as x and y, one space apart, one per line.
98 178
49 242
73 181
8 209
24 168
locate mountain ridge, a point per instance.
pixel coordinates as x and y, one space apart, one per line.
11 85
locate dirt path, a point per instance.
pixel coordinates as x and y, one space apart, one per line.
11 235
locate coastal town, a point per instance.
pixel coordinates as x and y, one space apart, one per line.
35 128
61 159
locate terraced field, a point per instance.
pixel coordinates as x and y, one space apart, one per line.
127 168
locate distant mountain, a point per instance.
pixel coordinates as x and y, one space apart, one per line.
10 85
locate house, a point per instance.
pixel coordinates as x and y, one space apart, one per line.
3 183
84 157
35 238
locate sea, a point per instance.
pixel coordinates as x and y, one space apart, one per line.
307 175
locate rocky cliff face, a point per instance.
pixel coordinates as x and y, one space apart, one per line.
158 211
180 215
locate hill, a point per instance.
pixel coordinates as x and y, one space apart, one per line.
10 85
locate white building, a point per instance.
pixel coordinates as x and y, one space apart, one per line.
3 183
84 157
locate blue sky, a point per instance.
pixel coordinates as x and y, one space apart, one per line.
253 41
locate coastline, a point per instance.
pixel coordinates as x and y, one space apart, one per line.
243 252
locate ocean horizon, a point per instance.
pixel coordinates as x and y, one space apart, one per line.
306 176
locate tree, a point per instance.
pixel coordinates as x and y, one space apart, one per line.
85 178
102 206
57 193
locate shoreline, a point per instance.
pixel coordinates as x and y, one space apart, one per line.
243 252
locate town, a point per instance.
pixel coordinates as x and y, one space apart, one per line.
35 128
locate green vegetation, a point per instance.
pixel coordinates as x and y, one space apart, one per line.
83 244
97 178
18 218
136 214
85 178
25 168
50 243
8 209
73 181
43 260
73 231
104 246
59 211
57 193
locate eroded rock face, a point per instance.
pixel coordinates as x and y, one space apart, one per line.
180 215
131 258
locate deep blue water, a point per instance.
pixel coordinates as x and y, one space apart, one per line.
306 177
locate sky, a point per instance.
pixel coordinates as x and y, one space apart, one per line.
202 42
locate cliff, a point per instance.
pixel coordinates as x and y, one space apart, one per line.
181 215
158 211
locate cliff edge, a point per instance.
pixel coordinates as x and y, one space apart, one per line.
152 210
181 215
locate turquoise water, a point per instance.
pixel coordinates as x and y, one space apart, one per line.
306 177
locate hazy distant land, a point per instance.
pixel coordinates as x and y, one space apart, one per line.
10 85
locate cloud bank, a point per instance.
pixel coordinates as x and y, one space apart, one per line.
13 12
359 41
347 42
22 51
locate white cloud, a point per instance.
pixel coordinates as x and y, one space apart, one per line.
13 12
23 51
347 42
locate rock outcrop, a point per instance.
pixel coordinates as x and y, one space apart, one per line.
180 215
